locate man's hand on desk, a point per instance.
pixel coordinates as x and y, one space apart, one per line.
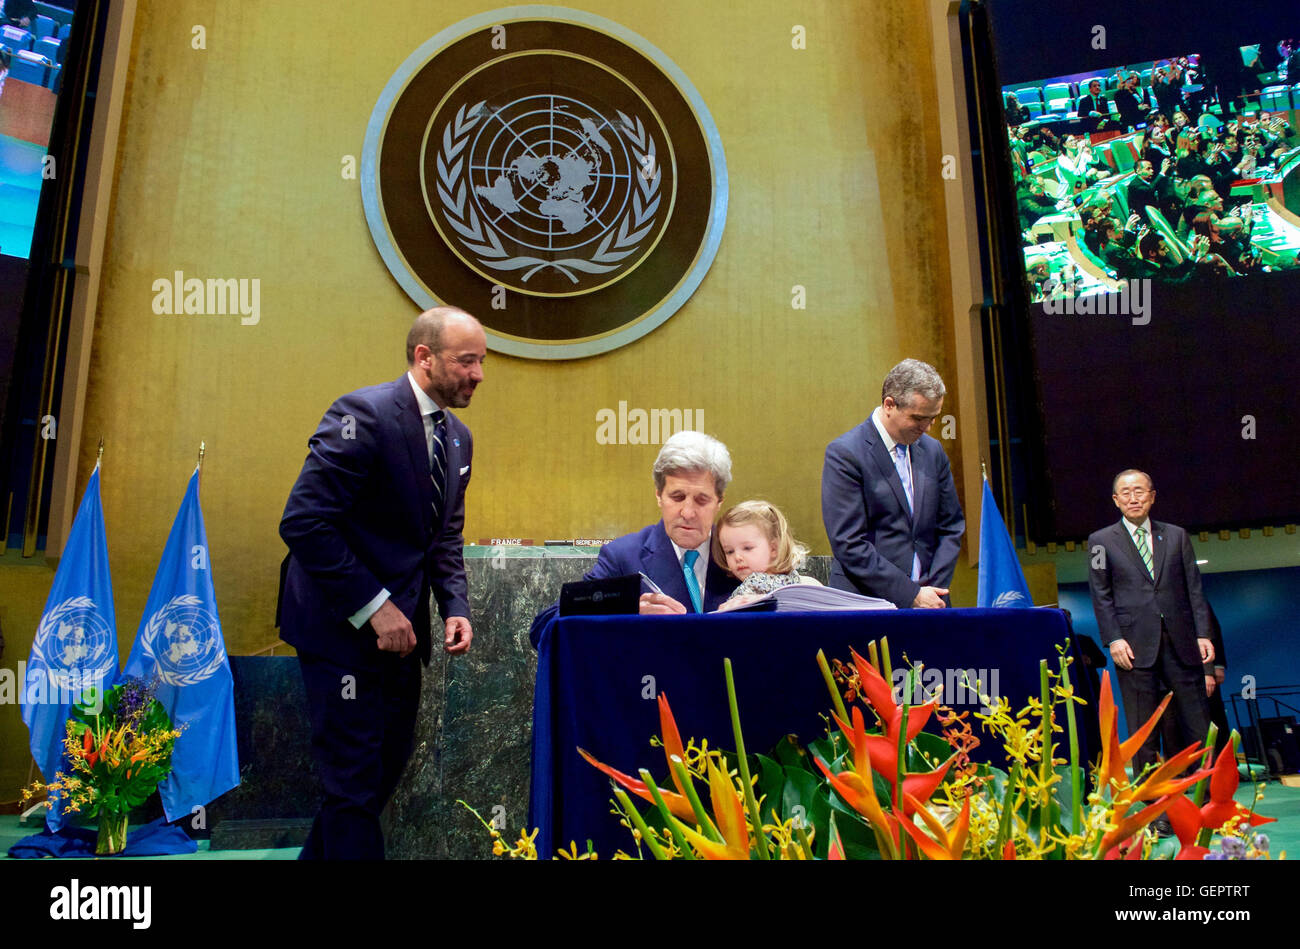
393 629
659 604
930 598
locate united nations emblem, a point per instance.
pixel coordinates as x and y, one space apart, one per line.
183 640
74 642
551 172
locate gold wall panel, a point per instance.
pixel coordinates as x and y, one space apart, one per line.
229 166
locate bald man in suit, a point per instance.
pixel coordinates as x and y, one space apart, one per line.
374 529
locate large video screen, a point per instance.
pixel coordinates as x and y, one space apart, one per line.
1139 173
34 40
1154 179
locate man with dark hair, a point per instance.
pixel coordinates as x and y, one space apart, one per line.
1158 261
19 13
1032 203
1293 64
373 526
1149 189
1092 109
889 503
1131 112
1166 86
1146 592
1227 236
1017 114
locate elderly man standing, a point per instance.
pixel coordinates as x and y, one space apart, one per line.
1152 615
691 476
888 499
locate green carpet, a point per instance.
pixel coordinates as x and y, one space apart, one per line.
11 832
1280 802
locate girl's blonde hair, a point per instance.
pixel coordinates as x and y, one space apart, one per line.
790 554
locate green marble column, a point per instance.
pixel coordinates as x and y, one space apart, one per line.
474 737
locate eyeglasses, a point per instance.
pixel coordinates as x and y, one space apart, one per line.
1136 493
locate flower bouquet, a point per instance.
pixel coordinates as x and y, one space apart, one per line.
894 791
119 747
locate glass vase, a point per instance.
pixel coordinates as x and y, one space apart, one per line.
112 834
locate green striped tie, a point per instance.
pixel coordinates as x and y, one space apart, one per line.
1144 550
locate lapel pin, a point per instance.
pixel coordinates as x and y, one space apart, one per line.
456 442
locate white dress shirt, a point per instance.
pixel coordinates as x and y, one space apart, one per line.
427 407
890 447
701 562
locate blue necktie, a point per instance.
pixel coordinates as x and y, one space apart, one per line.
905 475
904 472
692 583
438 465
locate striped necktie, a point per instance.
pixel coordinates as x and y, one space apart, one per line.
1143 550
438 464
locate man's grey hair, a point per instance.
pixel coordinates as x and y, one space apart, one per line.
1114 483
693 451
911 376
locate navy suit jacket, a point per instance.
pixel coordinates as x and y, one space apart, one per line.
360 519
1130 604
872 534
649 551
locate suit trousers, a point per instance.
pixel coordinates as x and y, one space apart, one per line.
363 724
1188 713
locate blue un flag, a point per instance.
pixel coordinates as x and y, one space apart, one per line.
76 642
180 644
1002 582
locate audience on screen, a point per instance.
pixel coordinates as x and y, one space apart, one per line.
1157 210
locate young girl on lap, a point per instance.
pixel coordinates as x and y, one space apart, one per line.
753 543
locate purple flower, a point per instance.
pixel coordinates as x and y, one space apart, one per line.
1234 848
1261 841
134 697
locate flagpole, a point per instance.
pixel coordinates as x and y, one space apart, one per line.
984 472
99 455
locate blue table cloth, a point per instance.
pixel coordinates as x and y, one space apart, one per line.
597 678
154 839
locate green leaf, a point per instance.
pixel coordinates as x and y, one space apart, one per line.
855 833
830 750
811 793
1064 796
771 779
791 755
935 746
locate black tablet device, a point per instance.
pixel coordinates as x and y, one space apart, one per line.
606 597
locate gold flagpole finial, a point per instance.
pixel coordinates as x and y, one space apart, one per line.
99 455
203 448
984 472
